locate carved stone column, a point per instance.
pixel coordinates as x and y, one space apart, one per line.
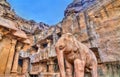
5 47
25 65
49 48
15 64
10 58
55 37
16 58
51 66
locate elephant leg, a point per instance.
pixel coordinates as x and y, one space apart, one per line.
79 67
69 69
94 70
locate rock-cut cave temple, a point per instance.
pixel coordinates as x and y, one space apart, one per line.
27 48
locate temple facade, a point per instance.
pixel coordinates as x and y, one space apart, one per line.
27 48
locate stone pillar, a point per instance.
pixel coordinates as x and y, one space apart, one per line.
54 38
25 66
49 44
49 48
5 46
10 58
51 66
15 64
44 67
16 58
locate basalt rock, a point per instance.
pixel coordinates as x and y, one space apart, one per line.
16 40
27 48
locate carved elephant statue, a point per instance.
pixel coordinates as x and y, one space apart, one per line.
76 56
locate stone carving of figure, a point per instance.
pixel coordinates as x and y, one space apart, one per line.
75 54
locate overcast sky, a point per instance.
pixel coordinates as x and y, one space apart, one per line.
48 11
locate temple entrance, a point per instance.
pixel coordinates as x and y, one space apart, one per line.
96 52
33 75
20 64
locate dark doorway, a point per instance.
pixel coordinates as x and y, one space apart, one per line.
96 52
33 75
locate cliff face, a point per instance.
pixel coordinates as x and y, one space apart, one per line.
78 6
16 34
98 24
28 47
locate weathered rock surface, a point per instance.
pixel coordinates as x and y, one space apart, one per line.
100 25
98 29
16 38
27 47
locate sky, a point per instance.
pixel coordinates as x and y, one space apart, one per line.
48 11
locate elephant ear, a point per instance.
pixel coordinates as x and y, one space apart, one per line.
73 43
76 44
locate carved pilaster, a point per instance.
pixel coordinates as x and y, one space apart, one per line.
51 66
10 58
25 65
16 58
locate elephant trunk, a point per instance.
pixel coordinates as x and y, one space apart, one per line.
60 58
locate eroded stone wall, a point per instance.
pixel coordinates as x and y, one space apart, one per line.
33 53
